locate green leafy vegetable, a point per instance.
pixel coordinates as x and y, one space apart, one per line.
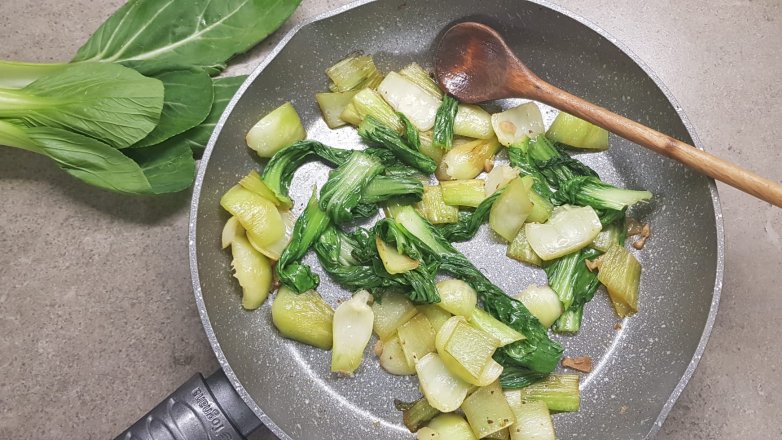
469 222
15 75
383 188
308 228
537 352
554 164
575 285
187 99
374 132
84 158
443 122
197 137
157 35
605 198
107 102
168 168
342 191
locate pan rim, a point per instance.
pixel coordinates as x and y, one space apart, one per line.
192 225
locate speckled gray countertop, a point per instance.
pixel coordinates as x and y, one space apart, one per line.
97 318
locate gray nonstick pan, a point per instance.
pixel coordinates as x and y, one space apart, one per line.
641 365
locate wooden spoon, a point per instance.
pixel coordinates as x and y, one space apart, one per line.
474 64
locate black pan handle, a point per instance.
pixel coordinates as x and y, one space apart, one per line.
201 409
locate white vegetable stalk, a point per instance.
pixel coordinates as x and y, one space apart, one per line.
276 131
352 329
542 302
390 313
499 177
442 389
569 229
457 297
409 99
519 123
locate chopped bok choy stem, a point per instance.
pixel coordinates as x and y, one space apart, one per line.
511 209
433 207
391 311
256 214
443 390
253 270
452 427
354 72
577 133
406 97
558 391
620 272
352 329
469 192
368 102
467 160
487 411
591 191
516 124
436 315
332 105
542 302
303 317
276 131
520 249
568 229
416 337
499 177
254 183
422 79
533 421
393 261
230 230
487 323
575 285
392 358
472 121
467 351
612 234
457 297
416 414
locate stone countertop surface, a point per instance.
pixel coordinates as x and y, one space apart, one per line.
97 315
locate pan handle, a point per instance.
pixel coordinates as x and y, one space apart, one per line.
201 409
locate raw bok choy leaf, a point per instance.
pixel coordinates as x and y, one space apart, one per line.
107 102
140 33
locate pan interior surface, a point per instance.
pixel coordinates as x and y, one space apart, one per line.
637 366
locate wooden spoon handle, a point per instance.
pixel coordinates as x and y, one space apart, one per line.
694 158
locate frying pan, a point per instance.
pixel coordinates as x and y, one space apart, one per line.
640 368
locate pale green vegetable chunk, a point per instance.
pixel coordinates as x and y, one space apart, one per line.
332 105
436 315
352 329
489 324
257 215
467 160
533 421
390 313
304 317
491 370
442 389
427 433
472 121
452 427
368 102
487 411
569 229
353 72
620 272
393 261
253 270
518 123
520 249
558 391
409 99
254 183
510 210
433 208
415 73
392 358
469 192
471 347
231 229
276 131
574 132
499 177
542 302
457 297
417 338
275 249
